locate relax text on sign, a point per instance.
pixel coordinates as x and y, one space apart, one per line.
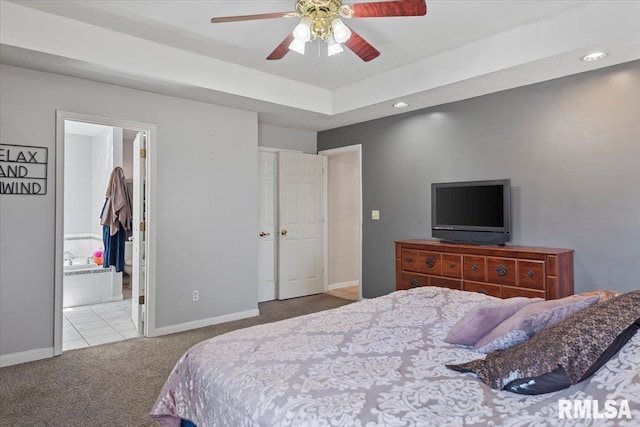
23 169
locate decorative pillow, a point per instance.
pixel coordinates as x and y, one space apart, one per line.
482 319
558 379
574 344
603 295
530 320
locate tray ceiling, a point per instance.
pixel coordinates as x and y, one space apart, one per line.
460 49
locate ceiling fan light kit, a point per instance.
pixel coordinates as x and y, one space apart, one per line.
333 48
321 19
302 31
297 45
341 32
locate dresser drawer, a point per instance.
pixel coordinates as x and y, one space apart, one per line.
409 260
501 270
483 288
475 268
408 281
445 283
510 292
452 265
430 263
531 274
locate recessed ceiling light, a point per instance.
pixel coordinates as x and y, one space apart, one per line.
595 56
400 105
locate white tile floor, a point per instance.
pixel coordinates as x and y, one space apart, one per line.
90 325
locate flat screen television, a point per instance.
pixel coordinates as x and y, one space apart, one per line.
472 212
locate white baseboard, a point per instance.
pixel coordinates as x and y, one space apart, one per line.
343 285
25 356
205 322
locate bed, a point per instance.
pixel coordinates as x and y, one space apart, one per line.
377 362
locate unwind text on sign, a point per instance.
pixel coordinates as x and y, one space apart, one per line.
23 169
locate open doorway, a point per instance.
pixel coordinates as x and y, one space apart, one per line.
99 296
343 227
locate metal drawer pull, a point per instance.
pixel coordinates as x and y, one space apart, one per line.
452 265
474 267
530 273
482 291
414 283
430 262
408 259
501 270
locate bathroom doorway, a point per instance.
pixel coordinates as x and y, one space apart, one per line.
97 304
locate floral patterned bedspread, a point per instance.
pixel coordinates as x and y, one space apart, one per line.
378 362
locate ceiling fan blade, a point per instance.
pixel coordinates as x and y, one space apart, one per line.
248 17
389 8
282 49
361 47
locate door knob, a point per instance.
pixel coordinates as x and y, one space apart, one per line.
262 234
283 232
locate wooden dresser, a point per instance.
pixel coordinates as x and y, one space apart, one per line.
501 271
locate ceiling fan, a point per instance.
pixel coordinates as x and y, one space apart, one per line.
321 19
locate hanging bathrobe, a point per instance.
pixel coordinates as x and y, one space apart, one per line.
116 219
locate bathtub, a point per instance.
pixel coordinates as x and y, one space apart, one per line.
85 282
80 264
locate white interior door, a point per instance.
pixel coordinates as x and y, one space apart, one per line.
300 237
267 227
138 244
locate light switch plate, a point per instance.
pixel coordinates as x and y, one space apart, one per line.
375 215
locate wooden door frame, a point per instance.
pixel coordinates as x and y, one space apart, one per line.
150 246
328 153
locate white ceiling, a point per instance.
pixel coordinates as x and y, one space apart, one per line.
82 128
460 49
92 129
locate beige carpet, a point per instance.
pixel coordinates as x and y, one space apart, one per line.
117 384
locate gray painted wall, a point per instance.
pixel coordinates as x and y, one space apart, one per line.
570 146
288 139
79 211
206 226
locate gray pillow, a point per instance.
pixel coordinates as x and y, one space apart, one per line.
530 320
482 319
574 344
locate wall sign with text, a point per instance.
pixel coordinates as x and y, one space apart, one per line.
23 169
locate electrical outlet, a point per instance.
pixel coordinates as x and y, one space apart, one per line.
195 296
375 215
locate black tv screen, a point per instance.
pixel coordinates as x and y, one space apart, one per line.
472 211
